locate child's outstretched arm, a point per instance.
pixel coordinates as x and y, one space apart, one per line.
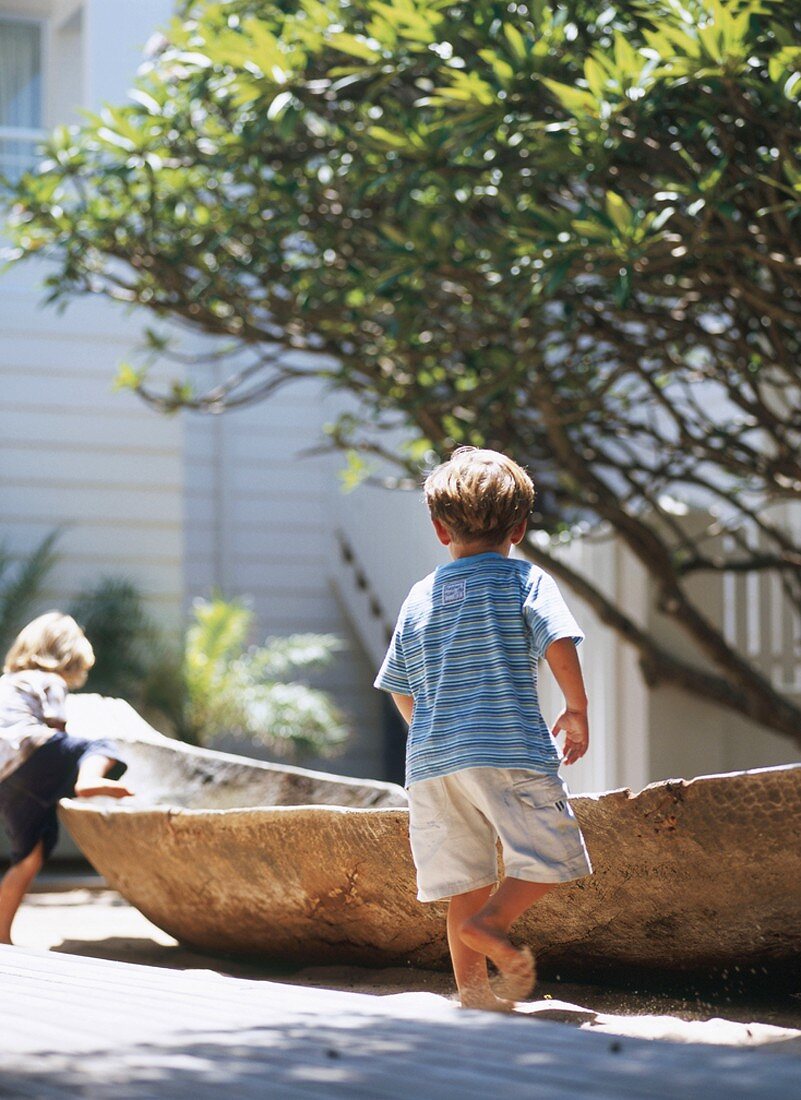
564 664
405 704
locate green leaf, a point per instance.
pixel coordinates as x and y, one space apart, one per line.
355 471
515 40
355 46
129 377
502 69
619 212
595 76
386 137
146 100
626 60
593 231
119 141
575 100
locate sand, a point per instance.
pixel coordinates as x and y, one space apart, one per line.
96 922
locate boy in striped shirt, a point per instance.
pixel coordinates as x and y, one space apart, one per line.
481 763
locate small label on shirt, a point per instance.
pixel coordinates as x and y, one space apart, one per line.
453 592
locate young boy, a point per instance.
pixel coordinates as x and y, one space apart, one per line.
481 763
39 762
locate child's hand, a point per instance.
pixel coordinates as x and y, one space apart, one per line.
573 724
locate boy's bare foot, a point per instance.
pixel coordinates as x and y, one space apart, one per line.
517 982
111 788
486 1001
516 964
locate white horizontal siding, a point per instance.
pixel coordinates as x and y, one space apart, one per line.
248 444
25 389
67 502
23 299
43 351
276 574
270 550
72 452
259 525
155 578
75 455
133 429
110 466
257 478
139 539
245 513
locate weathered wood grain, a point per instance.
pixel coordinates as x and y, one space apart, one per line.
113 1031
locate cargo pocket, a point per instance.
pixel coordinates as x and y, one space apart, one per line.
550 822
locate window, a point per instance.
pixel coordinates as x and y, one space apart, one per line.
20 95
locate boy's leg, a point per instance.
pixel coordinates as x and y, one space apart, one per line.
470 966
14 887
92 779
487 932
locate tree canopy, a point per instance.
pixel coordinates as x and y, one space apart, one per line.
566 230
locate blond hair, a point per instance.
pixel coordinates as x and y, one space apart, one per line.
479 495
52 643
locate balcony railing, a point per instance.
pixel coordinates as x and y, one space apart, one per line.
18 150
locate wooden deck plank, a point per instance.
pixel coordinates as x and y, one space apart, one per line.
75 1026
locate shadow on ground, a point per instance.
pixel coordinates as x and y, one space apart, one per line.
585 1001
387 1057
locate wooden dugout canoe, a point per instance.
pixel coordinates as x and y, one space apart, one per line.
231 855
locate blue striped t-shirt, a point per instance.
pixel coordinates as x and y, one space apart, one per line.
466 647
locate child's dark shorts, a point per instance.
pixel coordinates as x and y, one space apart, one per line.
30 795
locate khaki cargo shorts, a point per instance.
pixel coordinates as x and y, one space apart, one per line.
456 820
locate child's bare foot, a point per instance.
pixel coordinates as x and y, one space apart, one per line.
516 964
485 1000
517 982
111 788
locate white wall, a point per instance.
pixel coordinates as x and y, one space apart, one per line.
259 521
115 33
651 734
73 453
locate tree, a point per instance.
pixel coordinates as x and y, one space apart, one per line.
564 230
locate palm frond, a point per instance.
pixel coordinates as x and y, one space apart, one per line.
219 632
112 614
21 587
278 656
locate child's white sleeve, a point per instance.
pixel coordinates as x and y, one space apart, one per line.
548 616
54 699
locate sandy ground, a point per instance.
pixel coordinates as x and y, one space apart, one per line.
96 922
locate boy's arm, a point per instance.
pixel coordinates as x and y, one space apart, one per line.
564 664
405 704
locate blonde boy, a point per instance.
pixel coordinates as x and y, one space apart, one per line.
481 762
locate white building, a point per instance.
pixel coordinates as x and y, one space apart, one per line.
186 504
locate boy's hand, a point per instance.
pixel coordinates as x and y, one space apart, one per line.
573 724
